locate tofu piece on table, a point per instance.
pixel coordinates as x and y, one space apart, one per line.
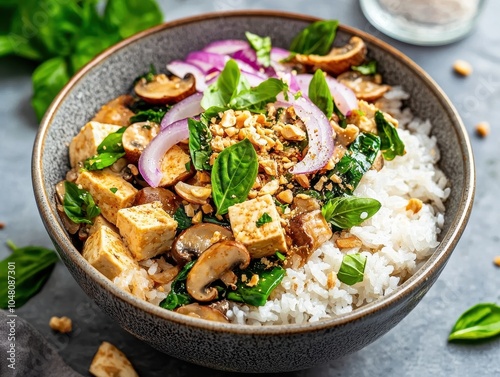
109 361
105 250
84 145
99 183
260 241
147 229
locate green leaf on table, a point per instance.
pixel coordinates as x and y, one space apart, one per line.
390 143
479 322
352 269
368 68
316 38
48 79
24 273
178 294
200 148
233 175
79 205
347 211
262 47
132 16
319 93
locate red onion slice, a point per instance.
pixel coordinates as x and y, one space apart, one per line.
226 47
277 55
181 69
344 98
319 132
152 156
188 107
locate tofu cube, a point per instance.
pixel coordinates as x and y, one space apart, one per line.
105 250
173 166
84 145
99 183
147 229
261 241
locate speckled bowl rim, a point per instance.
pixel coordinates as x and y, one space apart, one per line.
433 265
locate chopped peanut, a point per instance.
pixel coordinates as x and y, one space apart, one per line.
462 67
61 324
285 196
253 281
303 180
331 280
292 133
414 205
483 129
348 242
198 217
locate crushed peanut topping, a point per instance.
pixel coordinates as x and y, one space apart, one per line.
63 325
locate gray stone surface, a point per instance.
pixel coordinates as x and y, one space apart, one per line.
417 346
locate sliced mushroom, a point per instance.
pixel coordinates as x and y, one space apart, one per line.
193 194
136 137
116 111
165 90
202 311
339 59
309 231
196 239
218 259
365 87
169 201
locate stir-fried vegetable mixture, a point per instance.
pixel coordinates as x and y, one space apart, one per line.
235 165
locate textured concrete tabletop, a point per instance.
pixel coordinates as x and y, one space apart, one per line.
417 346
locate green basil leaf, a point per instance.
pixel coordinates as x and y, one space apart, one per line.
348 211
27 269
390 143
132 16
369 68
352 269
478 322
78 204
233 175
183 220
317 38
264 219
112 143
199 144
154 114
48 80
319 93
102 160
178 294
256 99
262 47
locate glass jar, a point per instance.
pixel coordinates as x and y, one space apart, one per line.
423 22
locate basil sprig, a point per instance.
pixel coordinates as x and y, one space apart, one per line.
479 322
233 175
262 47
369 68
108 152
390 143
199 144
352 269
264 219
178 294
28 268
317 38
348 211
319 93
78 204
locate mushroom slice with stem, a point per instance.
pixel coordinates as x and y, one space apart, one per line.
136 137
169 201
203 312
217 260
365 87
163 90
196 239
339 59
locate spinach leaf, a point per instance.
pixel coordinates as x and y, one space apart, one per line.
352 269
215 220
183 220
108 152
356 161
317 38
390 143
264 219
27 269
256 99
369 68
319 93
258 294
199 144
262 47
178 294
233 175
478 322
154 114
78 204
348 211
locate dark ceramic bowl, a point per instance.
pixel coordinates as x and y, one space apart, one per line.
225 346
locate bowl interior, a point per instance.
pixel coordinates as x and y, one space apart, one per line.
112 73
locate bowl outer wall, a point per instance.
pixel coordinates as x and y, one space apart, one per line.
232 347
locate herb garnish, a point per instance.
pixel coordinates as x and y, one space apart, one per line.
113 190
264 219
369 68
262 47
78 204
479 322
154 114
390 143
352 269
348 211
316 38
183 220
199 144
319 93
108 152
178 295
33 266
